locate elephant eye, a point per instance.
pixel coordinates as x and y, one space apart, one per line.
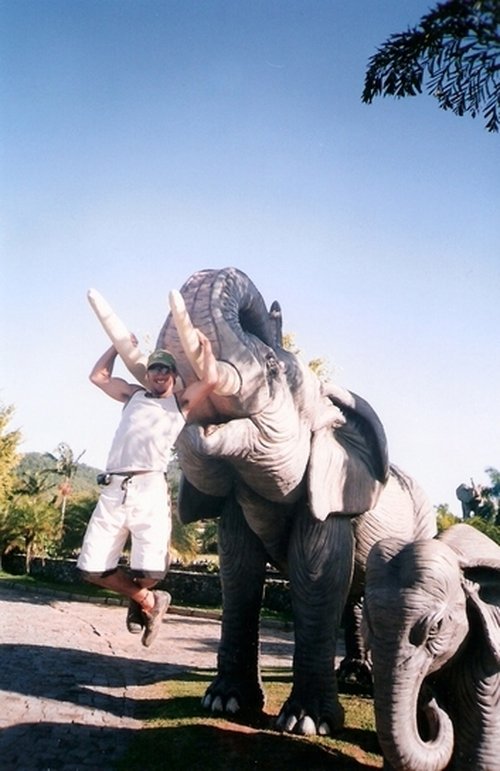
425 630
435 629
435 639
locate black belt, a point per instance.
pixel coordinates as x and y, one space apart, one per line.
130 473
105 479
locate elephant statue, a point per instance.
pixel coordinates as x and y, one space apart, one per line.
290 466
432 619
475 501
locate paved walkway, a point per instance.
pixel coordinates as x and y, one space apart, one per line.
75 685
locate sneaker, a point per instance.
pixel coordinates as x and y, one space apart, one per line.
135 618
154 617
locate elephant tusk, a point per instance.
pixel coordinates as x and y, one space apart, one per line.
228 379
132 357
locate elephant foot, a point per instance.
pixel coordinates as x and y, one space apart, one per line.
234 697
312 717
355 676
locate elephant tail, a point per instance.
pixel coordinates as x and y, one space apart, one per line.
424 514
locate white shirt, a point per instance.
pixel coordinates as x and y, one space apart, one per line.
146 433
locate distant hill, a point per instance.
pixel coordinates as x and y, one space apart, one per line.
84 480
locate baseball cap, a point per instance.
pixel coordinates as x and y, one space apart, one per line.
163 358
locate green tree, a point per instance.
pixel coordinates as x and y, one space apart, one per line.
184 544
32 525
66 466
34 482
319 366
494 476
444 517
208 536
491 494
455 49
488 528
36 465
9 457
78 513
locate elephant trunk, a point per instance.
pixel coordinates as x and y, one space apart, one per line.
415 734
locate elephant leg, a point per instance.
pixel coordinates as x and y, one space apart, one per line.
238 685
320 572
354 674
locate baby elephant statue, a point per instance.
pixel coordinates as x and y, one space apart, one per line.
432 620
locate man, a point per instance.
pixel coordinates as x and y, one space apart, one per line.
134 498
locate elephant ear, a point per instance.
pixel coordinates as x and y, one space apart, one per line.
353 454
479 559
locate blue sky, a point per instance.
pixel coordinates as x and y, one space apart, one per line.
142 140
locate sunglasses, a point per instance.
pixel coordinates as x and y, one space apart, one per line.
161 368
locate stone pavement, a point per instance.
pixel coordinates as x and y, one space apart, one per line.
75 685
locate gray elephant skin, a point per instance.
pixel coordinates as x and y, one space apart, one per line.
287 464
432 613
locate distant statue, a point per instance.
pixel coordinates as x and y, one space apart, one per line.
475 501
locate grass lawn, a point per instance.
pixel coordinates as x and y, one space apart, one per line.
183 737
